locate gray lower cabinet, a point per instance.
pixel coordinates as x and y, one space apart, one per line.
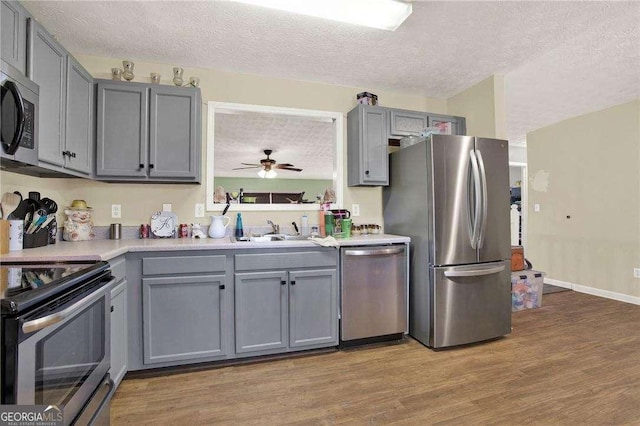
285 310
147 132
184 318
65 126
367 141
119 349
13 34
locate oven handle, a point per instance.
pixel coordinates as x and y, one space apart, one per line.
40 323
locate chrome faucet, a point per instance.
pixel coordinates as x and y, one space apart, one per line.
276 228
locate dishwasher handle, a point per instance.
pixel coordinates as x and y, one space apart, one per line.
374 252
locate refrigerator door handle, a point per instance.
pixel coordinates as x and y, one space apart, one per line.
478 201
485 201
474 272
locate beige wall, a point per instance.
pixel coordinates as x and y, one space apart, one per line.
139 201
588 168
483 106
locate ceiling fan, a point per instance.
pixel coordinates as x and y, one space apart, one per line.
267 166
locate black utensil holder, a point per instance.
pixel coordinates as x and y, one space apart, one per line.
37 239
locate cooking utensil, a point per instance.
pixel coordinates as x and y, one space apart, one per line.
10 203
225 209
295 226
49 205
21 211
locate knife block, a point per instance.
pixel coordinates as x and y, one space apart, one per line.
37 239
4 236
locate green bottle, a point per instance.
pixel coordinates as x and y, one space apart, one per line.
239 231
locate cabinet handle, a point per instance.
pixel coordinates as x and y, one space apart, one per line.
65 153
283 283
111 308
293 282
72 154
151 166
141 166
222 287
366 172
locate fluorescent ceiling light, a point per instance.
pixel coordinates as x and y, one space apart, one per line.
382 14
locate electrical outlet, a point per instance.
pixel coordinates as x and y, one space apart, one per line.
636 272
536 207
116 211
199 210
355 209
166 207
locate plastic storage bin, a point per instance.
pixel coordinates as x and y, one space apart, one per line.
526 290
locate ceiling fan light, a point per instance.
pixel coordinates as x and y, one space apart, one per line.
262 173
271 174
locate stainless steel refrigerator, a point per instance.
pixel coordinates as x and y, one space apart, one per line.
450 194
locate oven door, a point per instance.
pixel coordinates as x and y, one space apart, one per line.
18 126
63 355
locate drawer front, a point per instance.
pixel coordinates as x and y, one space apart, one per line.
172 265
262 261
118 268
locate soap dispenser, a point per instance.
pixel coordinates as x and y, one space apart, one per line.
239 230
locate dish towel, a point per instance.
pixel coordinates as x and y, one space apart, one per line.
325 242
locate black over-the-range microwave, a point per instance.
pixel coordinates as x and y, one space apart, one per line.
19 119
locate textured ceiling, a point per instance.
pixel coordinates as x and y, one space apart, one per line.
559 58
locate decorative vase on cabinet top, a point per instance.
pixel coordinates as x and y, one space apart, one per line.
217 229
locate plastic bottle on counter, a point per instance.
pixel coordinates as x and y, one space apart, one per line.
239 230
304 225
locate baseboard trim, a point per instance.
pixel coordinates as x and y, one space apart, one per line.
594 291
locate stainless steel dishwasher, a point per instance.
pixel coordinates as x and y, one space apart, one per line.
373 293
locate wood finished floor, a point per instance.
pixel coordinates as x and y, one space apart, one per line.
576 360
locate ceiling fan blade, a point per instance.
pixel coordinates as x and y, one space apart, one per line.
285 165
251 164
292 169
242 168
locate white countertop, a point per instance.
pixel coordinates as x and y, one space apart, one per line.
66 251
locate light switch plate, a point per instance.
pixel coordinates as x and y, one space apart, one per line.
116 211
355 209
199 210
166 207
536 207
636 272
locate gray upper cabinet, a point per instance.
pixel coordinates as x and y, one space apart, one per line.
13 34
79 131
406 123
66 105
147 132
457 124
173 133
46 66
184 318
122 130
367 140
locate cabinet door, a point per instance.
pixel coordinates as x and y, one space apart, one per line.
313 309
173 147
46 66
367 142
79 118
13 35
406 123
122 130
261 311
119 347
449 124
184 318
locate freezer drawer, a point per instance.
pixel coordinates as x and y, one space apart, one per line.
470 303
374 291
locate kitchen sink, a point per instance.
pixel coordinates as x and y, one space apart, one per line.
269 238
